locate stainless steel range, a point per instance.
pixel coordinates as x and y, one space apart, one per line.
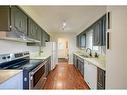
33 69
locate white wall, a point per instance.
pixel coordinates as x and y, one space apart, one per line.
71 41
116 67
12 47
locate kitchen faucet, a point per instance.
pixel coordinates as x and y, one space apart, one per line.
89 50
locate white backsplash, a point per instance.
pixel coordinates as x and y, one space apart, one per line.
12 47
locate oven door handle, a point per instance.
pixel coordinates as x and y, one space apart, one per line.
37 68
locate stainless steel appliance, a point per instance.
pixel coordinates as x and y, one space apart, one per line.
33 70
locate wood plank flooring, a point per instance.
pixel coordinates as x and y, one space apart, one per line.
65 76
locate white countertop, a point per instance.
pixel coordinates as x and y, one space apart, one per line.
6 74
95 61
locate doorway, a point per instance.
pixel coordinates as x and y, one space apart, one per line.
63 55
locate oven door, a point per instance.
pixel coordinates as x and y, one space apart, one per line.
37 77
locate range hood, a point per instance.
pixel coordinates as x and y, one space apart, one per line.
16 36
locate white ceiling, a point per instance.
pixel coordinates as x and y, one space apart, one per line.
78 18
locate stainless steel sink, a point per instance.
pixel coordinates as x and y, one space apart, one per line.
86 56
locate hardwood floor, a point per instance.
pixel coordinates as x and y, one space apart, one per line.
65 76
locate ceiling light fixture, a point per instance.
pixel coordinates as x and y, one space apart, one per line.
64 24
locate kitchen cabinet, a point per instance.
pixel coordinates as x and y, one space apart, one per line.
42 38
32 29
104 29
48 65
79 64
18 20
100 79
90 74
45 38
75 60
81 40
99 32
78 41
15 82
12 18
5 20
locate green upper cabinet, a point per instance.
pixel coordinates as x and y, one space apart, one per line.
13 19
99 32
32 29
39 30
42 38
5 20
104 30
45 38
78 41
18 20
81 40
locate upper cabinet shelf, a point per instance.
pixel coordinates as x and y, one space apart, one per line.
16 23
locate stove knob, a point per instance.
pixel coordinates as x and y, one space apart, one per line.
4 57
8 57
25 79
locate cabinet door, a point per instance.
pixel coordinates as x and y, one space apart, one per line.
79 65
47 37
32 29
83 41
78 40
39 34
4 18
43 38
97 34
18 20
104 30
15 82
74 60
82 69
